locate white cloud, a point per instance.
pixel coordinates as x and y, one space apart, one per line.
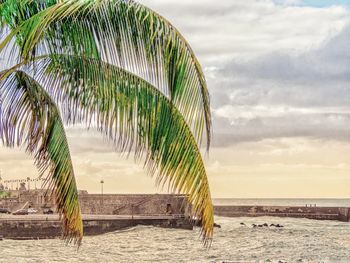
274 68
282 94
225 29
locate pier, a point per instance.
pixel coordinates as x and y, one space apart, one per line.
314 212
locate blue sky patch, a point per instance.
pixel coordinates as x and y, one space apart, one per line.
324 3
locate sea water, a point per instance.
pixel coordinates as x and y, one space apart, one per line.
300 240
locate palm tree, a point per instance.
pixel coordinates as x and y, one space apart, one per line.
115 65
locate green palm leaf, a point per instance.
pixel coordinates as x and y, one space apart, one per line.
29 116
134 114
125 68
123 33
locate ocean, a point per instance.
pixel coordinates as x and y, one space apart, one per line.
300 240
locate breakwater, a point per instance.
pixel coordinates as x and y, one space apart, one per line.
318 213
102 213
106 204
48 226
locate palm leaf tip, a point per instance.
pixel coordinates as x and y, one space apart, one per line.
72 226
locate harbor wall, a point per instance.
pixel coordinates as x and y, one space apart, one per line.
135 204
108 204
102 213
23 229
318 213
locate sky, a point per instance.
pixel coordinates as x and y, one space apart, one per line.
278 74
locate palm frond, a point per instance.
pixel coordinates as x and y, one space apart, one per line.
124 67
130 36
29 117
135 115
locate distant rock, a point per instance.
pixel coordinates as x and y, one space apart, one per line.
265 225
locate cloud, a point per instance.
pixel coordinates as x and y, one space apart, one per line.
219 31
329 62
281 94
289 2
281 168
274 68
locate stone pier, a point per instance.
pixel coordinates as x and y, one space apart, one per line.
318 213
102 213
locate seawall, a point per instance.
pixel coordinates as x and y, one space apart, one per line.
106 204
49 226
101 213
318 213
